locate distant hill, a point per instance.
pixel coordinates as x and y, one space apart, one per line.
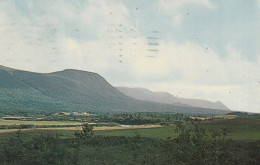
74 90
166 98
203 103
145 94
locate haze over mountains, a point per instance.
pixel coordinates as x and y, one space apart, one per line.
167 98
75 90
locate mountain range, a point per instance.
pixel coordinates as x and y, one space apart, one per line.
167 98
76 90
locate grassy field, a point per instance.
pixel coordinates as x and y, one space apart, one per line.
162 132
78 128
239 129
25 122
107 131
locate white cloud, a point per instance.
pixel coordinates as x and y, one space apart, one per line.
175 8
174 5
177 20
63 33
86 38
194 71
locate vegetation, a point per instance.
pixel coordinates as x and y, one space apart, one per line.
245 115
194 144
142 118
54 120
178 139
239 128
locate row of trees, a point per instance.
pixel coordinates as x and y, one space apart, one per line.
141 118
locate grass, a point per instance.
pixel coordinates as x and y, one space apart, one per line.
25 122
162 132
77 128
69 131
239 128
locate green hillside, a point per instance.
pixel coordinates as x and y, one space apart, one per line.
74 90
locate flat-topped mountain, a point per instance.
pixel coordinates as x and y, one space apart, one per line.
166 98
74 90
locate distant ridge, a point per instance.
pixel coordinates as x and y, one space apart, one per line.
75 90
166 98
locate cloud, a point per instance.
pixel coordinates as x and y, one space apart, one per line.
175 8
203 74
197 71
170 6
96 36
177 20
61 33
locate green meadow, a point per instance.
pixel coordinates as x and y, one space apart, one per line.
26 122
162 133
238 129
116 145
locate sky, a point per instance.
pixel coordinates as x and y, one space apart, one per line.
203 49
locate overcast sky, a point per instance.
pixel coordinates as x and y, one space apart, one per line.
205 49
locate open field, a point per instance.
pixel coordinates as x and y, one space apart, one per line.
239 128
215 117
160 132
25 122
77 128
68 132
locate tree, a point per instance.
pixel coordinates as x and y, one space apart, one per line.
87 131
224 132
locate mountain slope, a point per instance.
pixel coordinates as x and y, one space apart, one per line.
203 103
145 94
166 98
74 90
